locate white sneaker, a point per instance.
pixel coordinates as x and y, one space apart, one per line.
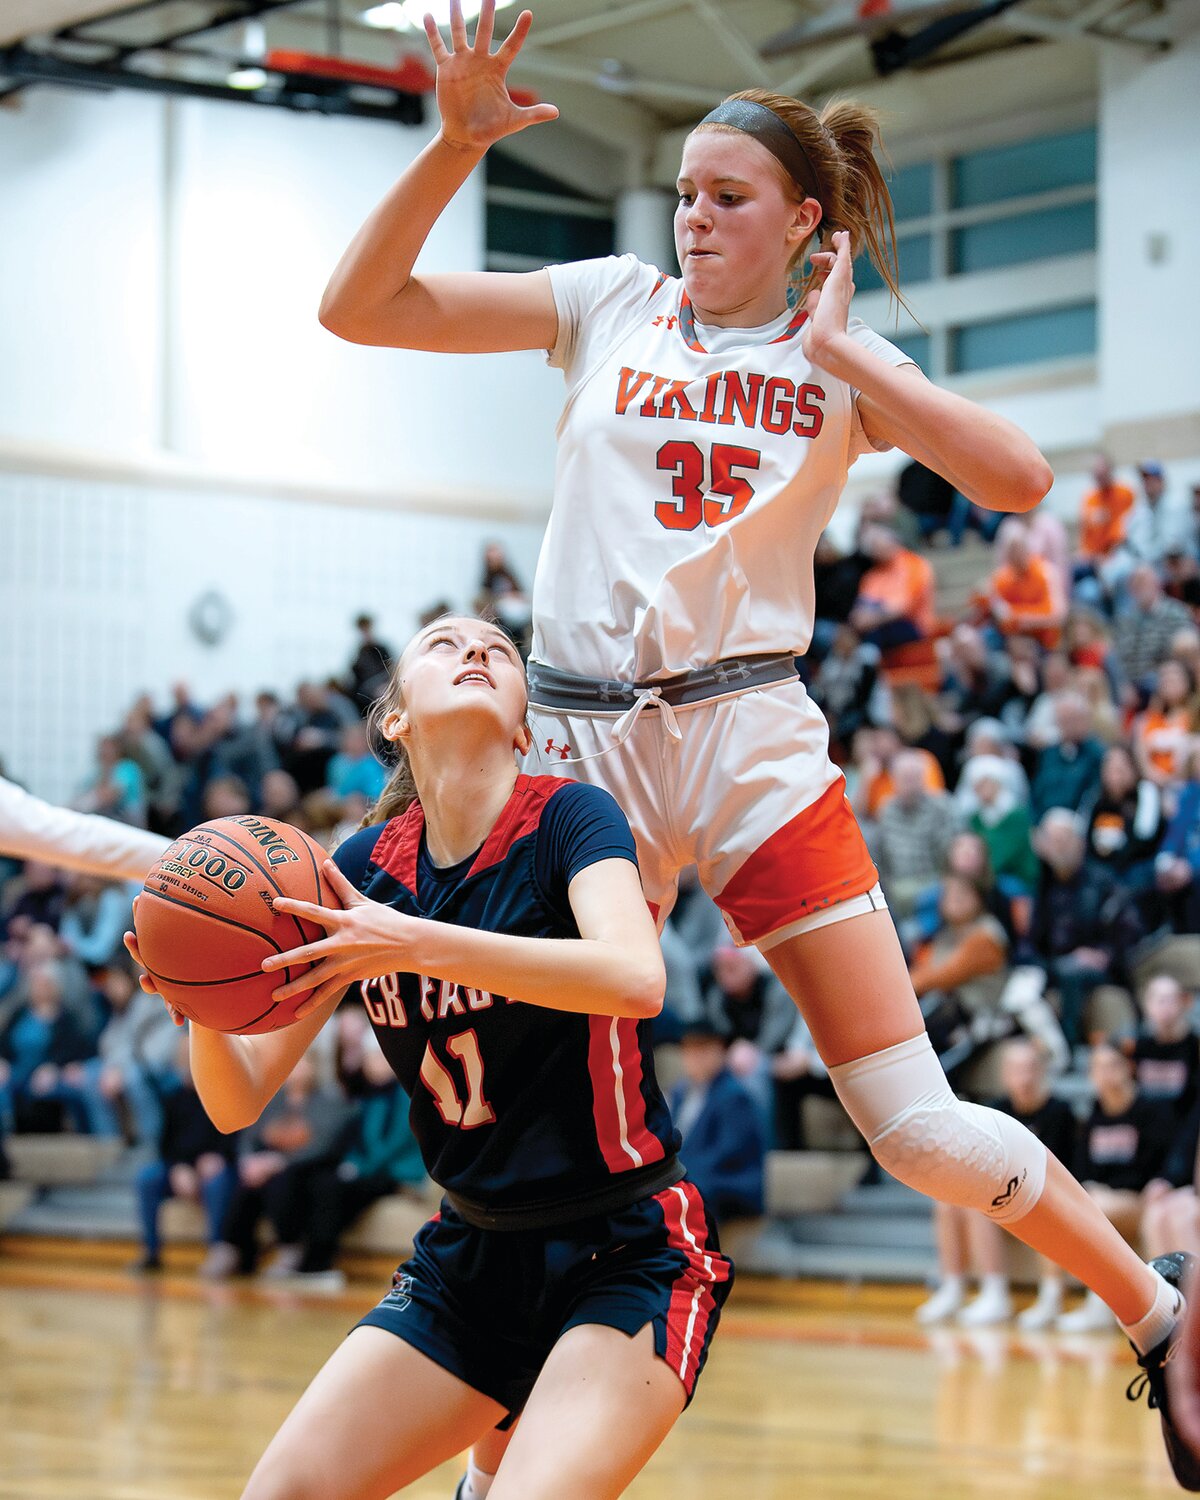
1043 1313
1091 1316
317 1281
942 1306
286 1262
988 1309
220 1262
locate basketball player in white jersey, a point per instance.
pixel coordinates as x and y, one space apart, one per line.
706 436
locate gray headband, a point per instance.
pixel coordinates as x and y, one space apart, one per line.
772 132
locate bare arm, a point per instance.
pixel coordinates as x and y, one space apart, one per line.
614 967
986 457
373 296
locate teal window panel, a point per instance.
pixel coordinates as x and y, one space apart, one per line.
1035 166
915 256
1025 338
1068 230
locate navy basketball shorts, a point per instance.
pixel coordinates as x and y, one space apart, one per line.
489 1305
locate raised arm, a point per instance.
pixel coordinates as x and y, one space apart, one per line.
373 296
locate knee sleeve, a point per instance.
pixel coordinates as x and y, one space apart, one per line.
919 1132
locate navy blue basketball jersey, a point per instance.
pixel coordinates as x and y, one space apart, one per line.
513 1105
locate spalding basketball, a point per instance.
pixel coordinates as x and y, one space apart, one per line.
206 920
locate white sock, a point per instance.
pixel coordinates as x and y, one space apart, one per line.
478 1483
1165 1312
1050 1289
993 1286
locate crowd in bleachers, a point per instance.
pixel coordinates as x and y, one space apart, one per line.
1027 774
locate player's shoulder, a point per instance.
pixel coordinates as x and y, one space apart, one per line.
609 277
566 796
354 854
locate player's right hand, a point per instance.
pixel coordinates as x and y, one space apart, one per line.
472 92
147 983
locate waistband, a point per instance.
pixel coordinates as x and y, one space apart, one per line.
624 1191
550 687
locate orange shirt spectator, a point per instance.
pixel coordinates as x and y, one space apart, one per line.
1105 514
881 787
898 586
1028 600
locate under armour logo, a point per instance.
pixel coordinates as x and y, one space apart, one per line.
660 320
562 751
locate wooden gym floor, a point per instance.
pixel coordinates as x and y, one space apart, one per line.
117 1389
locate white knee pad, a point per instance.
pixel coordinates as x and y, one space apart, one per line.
919 1132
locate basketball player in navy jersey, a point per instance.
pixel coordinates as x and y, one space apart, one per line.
497 927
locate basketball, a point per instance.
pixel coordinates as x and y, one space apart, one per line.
206 920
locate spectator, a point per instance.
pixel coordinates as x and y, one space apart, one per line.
250 750
1068 770
299 1130
321 715
1125 822
875 753
836 577
845 682
38 1041
134 1065
280 797
502 595
797 1072
32 944
117 789
1105 515
959 975
195 1162
1002 822
1166 1051
1041 722
934 503
97 914
41 897
721 1126
895 598
1025 595
914 833
378 1154
370 668
976 680
226 797
1181 581
1164 734
1122 1150
1158 523
744 1002
1048 540
989 752
1145 629
1177 865
1083 924
141 742
963 1235
354 768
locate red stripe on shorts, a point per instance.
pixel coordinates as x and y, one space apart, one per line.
692 1303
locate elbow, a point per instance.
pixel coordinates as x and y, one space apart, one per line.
336 320
647 993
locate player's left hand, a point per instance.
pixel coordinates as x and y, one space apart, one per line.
828 303
363 940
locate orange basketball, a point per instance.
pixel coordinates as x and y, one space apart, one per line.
206 920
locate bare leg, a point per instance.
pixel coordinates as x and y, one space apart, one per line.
950 1230
987 1245
851 983
377 1416
601 1406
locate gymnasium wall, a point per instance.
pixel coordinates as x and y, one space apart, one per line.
98 582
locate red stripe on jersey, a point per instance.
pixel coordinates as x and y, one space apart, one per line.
521 815
396 847
799 318
609 1109
692 1303
654 290
640 1137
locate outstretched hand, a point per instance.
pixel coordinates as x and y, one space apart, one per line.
828 302
146 982
363 939
472 89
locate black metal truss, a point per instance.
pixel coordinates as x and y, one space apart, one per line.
114 65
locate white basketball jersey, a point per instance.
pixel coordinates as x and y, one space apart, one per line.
697 467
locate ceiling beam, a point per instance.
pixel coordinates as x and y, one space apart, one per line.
744 53
624 82
1024 22
604 20
823 62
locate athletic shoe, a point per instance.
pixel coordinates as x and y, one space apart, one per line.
1177 1269
1091 1316
986 1311
942 1306
1043 1313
